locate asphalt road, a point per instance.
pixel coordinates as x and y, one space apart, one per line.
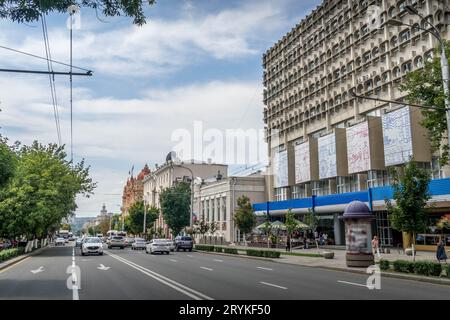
127 274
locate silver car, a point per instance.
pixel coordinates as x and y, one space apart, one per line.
139 244
92 245
157 245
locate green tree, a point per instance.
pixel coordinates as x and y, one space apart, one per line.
201 227
136 217
213 227
30 10
175 206
42 191
424 86
91 231
312 220
411 197
291 226
65 226
244 217
267 229
7 162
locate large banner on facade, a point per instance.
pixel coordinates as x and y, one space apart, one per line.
280 169
302 163
327 156
397 137
358 148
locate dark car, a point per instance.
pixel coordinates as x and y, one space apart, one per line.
117 241
183 242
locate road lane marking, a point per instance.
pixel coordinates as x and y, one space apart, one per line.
188 255
273 285
204 268
353 284
13 265
159 277
41 268
103 268
173 260
264 268
75 295
217 260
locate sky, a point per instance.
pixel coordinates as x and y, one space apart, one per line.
193 62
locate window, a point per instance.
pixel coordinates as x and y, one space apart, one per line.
418 62
406 67
436 170
401 7
224 208
415 28
392 11
299 191
394 41
377 178
320 188
281 194
428 56
368 85
367 56
396 72
377 81
347 184
405 35
384 229
385 76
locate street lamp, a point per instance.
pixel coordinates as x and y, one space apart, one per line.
145 215
444 61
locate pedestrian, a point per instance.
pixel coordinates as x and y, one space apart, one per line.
325 238
440 252
375 246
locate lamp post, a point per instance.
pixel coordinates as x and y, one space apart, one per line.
444 61
145 216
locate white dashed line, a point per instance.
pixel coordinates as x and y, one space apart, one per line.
273 285
204 268
173 260
353 284
217 260
264 268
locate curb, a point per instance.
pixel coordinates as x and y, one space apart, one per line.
359 271
13 261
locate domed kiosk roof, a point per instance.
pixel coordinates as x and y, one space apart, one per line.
357 210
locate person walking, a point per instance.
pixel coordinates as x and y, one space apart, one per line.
440 252
376 246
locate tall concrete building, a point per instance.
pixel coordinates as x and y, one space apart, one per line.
327 145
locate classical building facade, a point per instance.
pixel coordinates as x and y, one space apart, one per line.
216 202
322 140
168 174
134 190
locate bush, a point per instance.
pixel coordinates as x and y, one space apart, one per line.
384 264
427 268
204 247
311 255
10 253
230 250
446 268
272 254
263 253
403 266
218 249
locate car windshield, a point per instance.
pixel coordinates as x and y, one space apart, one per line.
186 238
117 238
140 240
159 241
93 240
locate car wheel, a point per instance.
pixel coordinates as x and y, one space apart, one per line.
101 253
82 253
168 252
190 249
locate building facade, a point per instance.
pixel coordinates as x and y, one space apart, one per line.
167 175
134 190
322 140
216 202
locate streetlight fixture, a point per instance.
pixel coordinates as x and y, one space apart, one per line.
444 61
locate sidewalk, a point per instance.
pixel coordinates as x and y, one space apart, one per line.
339 262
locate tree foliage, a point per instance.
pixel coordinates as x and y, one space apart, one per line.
311 219
244 217
42 191
136 217
201 227
7 163
424 86
411 196
290 222
176 206
30 10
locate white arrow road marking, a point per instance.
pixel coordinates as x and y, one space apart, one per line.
206 268
102 267
273 285
264 268
353 284
37 270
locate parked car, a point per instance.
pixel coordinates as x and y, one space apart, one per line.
184 242
117 241
92 245
157 245
5 244
79 241
60 241
139 244
170 244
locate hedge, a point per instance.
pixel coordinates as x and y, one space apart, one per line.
218 249
311 255
403 266
204 247
10 253
263 253
385 264
427 268
446 268
230 250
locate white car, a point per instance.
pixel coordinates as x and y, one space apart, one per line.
92 245
60 241
158 245
170 244
138 244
